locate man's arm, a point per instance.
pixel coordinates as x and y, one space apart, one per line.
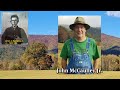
96 56
23 36
95 64
64 63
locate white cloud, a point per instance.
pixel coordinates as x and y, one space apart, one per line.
113 13
94 21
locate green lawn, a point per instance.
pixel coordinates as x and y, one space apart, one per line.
51 74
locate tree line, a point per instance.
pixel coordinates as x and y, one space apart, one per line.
33 57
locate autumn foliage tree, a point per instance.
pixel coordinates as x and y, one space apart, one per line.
35 57
110 63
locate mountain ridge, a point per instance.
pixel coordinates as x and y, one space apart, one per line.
49 40
107 41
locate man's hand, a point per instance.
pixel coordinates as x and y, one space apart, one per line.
18 39
95 66
64 63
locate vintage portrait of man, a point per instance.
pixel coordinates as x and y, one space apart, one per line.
14 28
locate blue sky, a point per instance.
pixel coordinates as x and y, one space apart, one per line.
46 22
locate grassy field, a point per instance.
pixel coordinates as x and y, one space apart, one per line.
51 74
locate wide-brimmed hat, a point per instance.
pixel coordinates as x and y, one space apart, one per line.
79 20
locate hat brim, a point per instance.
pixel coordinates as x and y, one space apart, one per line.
73 25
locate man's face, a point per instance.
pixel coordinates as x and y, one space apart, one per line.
14 21
79 30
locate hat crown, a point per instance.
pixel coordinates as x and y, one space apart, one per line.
79 20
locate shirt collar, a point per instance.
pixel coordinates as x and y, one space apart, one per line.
80 42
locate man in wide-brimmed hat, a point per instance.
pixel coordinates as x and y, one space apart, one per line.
79 20
80 50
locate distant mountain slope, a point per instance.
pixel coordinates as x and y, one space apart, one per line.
55 50
49 40
93 32
13 52
66 26
109 41
113 50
